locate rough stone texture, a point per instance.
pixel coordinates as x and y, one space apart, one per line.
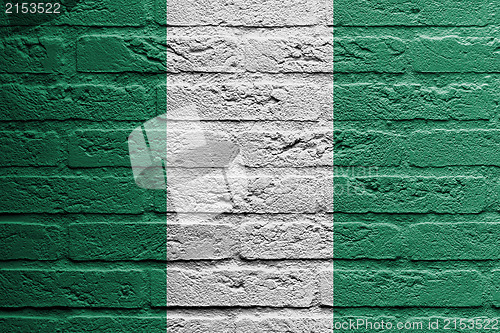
415 13
31 55
31 241
453 54
395 194
367 148
369 54
196 242
114 241
286 194
360 240
298 55
287 241
435 148
105 13
30 149
405 288
262 101
454 147
96 102
252 13
204 54
30 324
453 241
112 54
70 195
405 101
261 194
235 287
287 149
98 148
45 288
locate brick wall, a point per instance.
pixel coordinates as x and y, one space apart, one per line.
84 249
408 218
416 168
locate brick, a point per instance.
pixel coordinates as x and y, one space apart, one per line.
326 287
98 148
105 13
453 54
116 54
298 55
369 54
205 288
360 241
287 149
416 13
297 324
199 190
453 241
251 13
285 194
395 194
97 102
150 241
368 148
210 191
200 241
30 148
70 195
112 324
32 55
193 147
14 324
298 240
454 147
405 101
31 241
241 101
453 288
89 288
209 54
84 13
118 241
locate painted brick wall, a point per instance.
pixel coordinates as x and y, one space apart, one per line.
416 146
84 249
409 218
